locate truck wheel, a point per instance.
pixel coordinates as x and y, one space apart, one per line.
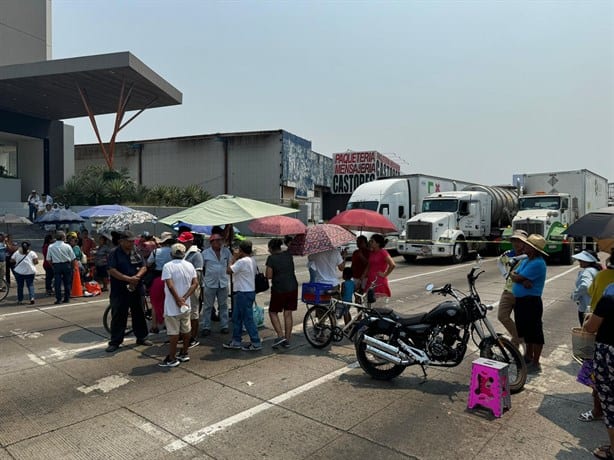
566 253
460 252
409 259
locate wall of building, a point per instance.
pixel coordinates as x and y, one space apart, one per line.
25 31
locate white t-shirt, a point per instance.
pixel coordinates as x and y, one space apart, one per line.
25 266
244 275
182 273
326 265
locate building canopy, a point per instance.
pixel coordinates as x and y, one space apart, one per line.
54 90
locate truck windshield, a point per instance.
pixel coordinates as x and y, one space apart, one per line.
370 205
539 202
439 205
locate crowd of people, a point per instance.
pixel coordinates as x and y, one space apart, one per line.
38 204
593 294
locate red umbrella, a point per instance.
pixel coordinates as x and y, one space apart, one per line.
277 226
363 220
320 238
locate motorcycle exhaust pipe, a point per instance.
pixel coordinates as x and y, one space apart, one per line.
382 354
381 345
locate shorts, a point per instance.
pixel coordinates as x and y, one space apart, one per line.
179 324
528 313
281 301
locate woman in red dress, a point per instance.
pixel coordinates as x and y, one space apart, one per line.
380 265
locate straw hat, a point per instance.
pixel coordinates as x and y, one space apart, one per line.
519 235
537 242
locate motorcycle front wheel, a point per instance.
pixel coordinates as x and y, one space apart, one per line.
503 350
376 367
318 326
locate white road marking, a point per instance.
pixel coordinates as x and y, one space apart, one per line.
106 384
35 359
198 436
23 335
30 311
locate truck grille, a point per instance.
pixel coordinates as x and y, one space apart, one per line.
419 231
530 227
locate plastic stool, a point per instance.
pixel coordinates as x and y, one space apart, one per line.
490 386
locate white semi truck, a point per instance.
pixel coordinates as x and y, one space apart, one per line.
550 202
454 224
400 197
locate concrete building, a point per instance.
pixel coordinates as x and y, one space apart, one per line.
36 93
274 166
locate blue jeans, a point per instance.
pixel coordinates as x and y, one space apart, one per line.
62 276
29 280
243 314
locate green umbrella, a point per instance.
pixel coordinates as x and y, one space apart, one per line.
226 209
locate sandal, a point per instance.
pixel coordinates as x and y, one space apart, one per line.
604 453
588 416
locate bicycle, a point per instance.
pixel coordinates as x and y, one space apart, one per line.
107 317
320 322
4 289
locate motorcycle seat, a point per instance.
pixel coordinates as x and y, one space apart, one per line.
409 320
384 311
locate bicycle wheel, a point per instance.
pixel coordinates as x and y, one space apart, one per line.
4 289
318 326
106 321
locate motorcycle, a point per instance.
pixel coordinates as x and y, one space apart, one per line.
388 341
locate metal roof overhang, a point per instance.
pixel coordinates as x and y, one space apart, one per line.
50 89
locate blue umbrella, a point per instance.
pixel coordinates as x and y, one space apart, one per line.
204 229
59 216
104 210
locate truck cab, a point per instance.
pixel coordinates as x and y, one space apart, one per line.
549 215
450 225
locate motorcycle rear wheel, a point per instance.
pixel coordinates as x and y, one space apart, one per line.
376 367
319 326
517 370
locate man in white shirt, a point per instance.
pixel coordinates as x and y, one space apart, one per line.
61 255
180 282
328 266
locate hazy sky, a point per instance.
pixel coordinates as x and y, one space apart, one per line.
472 90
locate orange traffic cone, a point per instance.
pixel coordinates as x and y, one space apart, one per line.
77 288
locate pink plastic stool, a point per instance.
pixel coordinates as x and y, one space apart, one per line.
489 386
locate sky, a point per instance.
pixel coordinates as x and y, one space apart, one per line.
470 90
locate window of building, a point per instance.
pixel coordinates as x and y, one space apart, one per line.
8 160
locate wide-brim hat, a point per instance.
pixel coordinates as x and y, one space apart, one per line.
164 237
586 256
519 235
537 242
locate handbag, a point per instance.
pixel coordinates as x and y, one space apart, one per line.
582 343
261 281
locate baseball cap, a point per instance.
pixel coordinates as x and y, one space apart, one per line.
177 250
184 237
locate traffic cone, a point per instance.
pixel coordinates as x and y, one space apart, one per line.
77 288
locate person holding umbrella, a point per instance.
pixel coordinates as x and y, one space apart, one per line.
284 291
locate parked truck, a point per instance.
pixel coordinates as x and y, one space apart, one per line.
454 224
550 202
400 197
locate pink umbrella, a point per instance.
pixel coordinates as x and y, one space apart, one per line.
277 226
320 238
363 220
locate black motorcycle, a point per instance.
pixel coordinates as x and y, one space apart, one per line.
389 342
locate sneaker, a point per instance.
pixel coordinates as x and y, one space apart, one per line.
31 301
251 347
168 363
278 341
183 357
205 332
286 344
232 346
193 343
112 348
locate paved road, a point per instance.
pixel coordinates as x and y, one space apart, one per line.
62 396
